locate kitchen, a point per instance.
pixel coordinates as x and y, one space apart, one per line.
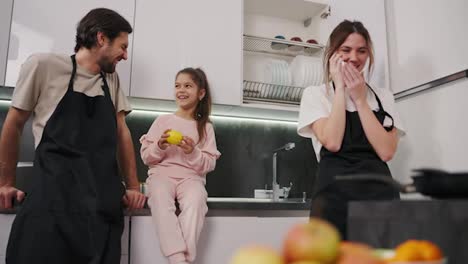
399 29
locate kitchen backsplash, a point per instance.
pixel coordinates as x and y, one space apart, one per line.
246 161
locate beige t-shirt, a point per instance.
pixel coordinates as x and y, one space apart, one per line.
43 81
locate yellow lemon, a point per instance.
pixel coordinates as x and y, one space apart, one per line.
174 137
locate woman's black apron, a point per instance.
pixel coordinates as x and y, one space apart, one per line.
330 199
73 213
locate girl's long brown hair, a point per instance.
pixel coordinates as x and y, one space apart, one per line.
338 36
203 109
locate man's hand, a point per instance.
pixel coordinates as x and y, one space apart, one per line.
134 199
7 194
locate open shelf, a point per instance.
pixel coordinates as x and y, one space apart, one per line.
299 10
280 46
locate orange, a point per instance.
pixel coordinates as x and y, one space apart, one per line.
430 251
408 251
417 250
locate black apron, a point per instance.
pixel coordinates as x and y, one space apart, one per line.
330 198
73 213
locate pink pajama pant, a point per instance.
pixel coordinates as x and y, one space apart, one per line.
178 234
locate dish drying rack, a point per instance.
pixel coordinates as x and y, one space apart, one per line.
271 93
291 48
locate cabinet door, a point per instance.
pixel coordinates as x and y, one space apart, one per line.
372 14
6 220
50 26
171 35
5 22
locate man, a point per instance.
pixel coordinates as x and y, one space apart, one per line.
73 213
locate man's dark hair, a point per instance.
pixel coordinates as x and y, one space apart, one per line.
104 20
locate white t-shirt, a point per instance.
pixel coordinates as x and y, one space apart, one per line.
317 103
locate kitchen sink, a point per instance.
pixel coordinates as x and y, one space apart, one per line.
253 200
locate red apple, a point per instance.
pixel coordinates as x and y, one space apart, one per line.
256 254
316 240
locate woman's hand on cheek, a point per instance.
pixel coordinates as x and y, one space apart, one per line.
355 84
187 144
336 71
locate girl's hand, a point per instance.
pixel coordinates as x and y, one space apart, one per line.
187 144
336 71
162 142
355 84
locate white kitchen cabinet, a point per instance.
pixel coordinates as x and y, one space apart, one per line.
5 22
220 238
6 220
171 35
50 26
314 19
269 78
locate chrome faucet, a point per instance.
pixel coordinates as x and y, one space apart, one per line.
279 191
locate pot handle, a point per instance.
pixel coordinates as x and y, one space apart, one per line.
403 188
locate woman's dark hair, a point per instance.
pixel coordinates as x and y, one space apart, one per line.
338 36
104 20
203 109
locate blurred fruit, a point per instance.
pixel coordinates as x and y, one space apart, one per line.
357 253
305 262
256 254
316 240
175 137
417 250
430 251
407 251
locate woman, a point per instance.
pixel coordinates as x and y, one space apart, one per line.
354 128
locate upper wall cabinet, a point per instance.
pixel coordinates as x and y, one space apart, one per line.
284 42
283 45
171 35
50 26
5 22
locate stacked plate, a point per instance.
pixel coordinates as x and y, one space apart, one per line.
278 75
306 71
277 72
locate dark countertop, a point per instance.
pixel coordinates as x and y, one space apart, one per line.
232 204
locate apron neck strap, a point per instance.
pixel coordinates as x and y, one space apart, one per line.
72 78
381 107
105 86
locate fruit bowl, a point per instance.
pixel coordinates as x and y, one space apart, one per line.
441 261
388 254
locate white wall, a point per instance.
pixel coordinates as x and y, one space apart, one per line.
435 120
5 22
372 14
437 129
428 40
50 26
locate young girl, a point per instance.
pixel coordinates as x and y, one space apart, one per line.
354 128
177 172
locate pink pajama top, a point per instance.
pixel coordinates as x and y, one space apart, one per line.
172 161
